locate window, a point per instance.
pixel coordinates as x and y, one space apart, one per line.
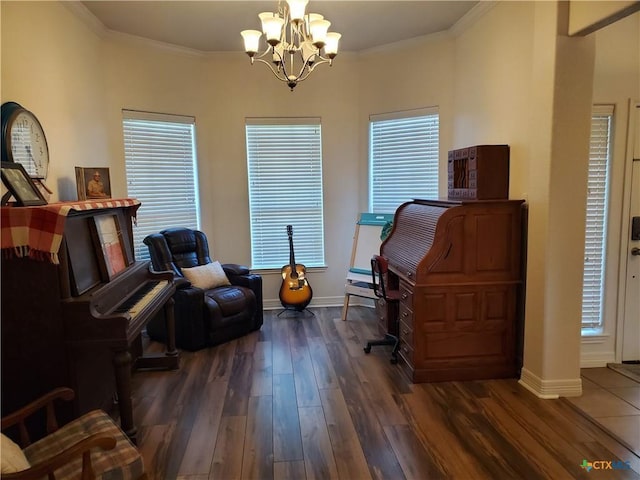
403 158
160 160
284 159
596 222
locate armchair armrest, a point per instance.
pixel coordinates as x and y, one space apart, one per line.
46 401
82 448
181 283
242 276
233 269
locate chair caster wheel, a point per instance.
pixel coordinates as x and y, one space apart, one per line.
367 349
393 360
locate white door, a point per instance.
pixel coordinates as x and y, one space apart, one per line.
631 327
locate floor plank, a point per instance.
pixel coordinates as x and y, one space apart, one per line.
257 459
202 441
228 454
318 455
300 399
349 457
287 443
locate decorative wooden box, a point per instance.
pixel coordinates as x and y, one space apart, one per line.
480 172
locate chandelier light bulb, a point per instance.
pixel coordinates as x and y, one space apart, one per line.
296 9
308 52
312 17
264 16
278 54
251 41
319 30
272 28
331 45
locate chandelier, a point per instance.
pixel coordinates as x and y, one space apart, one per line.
296 41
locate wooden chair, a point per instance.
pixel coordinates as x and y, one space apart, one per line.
386 298
90 447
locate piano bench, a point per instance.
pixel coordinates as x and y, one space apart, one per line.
109 452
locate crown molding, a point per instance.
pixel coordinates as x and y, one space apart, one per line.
147 42
472 16
404 44
88 18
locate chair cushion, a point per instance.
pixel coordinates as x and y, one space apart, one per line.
123 462
206 276
232 299
12 457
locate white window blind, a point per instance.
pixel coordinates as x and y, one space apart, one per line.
160 159
403 158
284 158
596 221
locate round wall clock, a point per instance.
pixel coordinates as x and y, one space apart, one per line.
23 140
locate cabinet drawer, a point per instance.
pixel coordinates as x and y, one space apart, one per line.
406 315
406 334
406 294
406 351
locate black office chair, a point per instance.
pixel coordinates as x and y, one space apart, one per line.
386 307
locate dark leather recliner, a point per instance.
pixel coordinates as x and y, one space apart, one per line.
203 317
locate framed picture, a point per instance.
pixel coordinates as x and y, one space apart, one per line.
93 183
21 186
108 236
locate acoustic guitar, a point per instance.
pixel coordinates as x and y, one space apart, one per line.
295 291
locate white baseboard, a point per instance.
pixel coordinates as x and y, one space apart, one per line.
548 389
596 359
274 303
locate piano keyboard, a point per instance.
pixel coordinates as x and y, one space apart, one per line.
141 298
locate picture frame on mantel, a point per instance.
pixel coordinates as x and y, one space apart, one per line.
93 183
21 186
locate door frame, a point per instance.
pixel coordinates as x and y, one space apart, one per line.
633 144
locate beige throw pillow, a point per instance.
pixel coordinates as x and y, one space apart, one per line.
206 276
12 458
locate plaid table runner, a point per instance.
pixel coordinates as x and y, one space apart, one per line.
36 232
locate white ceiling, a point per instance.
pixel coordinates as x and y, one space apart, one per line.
215 25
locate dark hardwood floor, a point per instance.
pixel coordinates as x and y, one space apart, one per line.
300 400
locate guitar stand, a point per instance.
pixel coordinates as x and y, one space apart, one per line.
297 311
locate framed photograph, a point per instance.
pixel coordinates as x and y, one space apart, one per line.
21 186
108 236
93 183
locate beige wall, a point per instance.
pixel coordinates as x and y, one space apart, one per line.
220 90
405 76
52 64
493 75
494 82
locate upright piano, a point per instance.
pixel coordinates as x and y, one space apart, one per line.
74 303
458 266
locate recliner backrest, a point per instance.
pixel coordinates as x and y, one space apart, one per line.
177 248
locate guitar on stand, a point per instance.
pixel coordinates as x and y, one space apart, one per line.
295 291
